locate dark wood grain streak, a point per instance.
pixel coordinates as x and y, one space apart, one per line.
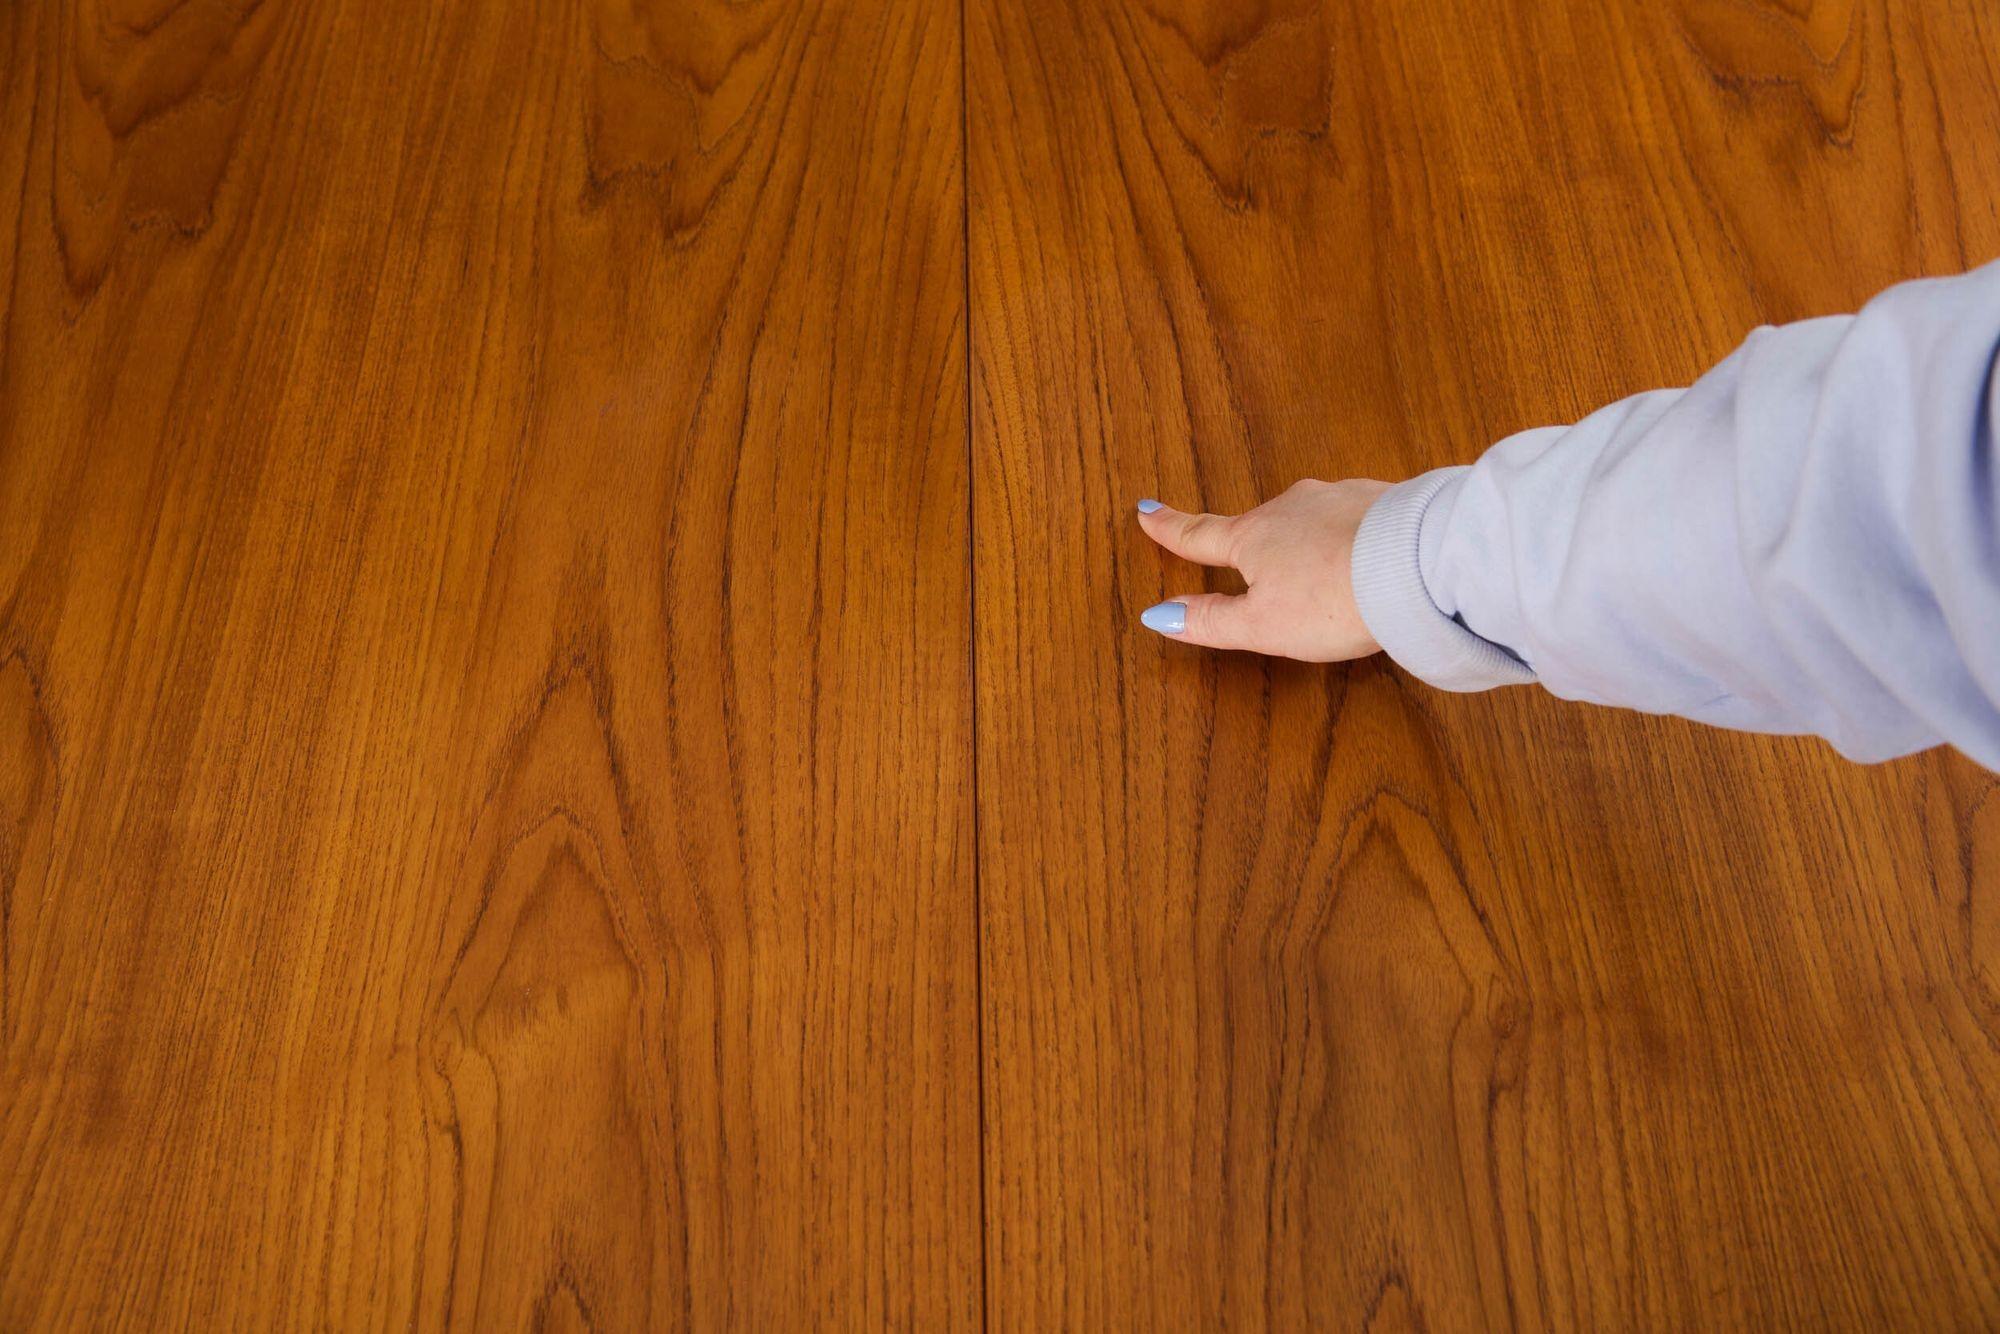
1314 998
485 747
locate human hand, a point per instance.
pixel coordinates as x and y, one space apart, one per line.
1294 552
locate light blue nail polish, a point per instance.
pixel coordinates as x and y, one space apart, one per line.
1169 618
1148 506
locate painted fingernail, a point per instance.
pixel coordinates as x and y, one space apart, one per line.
1169 618
1148 506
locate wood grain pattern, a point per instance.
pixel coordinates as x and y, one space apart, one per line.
485 748
575 750
1314 999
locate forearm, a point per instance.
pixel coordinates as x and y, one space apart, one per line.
1803 541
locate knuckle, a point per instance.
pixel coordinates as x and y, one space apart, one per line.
1241 533
1211 530
1221 622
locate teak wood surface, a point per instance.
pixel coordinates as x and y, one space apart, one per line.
575 747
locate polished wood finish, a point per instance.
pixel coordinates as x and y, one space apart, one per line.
575 749
1315 998
485 717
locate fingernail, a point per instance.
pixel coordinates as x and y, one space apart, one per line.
1169 618
1148 506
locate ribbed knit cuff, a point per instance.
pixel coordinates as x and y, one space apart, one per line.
1389 590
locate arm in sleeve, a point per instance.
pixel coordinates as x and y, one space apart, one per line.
1803 541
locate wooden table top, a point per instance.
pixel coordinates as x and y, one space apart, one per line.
576 749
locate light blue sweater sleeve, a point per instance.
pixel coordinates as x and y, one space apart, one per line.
1803 541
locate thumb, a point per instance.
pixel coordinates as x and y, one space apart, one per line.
1212 620
1205 539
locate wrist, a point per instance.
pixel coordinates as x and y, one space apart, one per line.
1396 605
